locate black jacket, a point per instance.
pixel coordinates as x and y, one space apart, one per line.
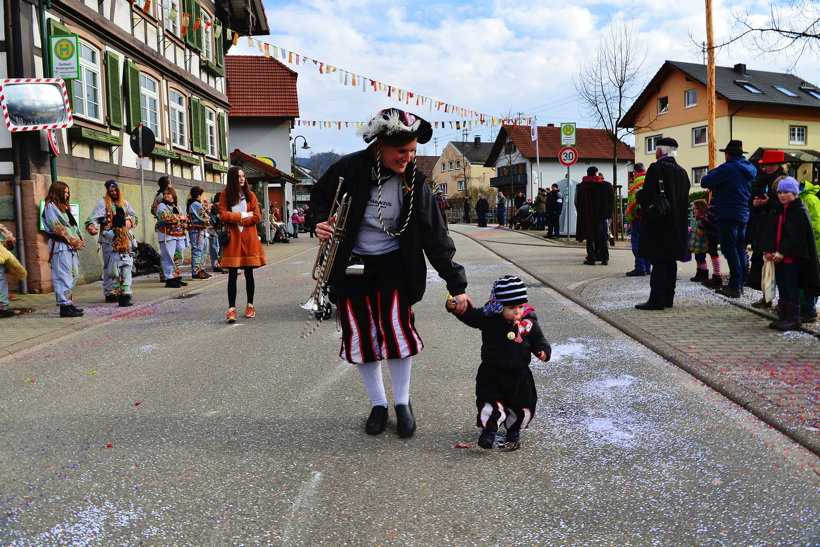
497 350
762 186
797 239
667 238
594 202
482 206
555 202
425 235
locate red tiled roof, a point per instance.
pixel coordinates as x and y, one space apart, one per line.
260 87
591 144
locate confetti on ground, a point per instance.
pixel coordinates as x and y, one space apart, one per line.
109 446
93 372
138 403
462 446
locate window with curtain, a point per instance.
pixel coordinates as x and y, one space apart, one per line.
179 133
87 86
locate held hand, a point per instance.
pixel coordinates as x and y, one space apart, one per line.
768 256
778 258
128 224
542 355
92 230
462 301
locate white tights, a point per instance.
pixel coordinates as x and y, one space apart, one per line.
371 374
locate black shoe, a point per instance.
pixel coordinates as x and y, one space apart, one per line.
731 292
486 439
70 311
180 282
604 262
405 422
700 275
111 298
217 270
589 262
6 313
713 282
377 420
173 283
637 273
649 306
125 300
513 436
75 308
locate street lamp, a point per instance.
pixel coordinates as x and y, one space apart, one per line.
293 150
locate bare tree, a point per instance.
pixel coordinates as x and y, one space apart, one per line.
792 27
608 86
610 83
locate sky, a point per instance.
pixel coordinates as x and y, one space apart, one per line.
499 57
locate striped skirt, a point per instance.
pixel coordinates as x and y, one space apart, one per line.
377 322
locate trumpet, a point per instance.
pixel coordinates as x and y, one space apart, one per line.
319 301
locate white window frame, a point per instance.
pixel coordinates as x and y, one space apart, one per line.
665 108
207 37
686 98
211 132
705 136
450 165
698 171
794 135
179 118
458 164
172 26
462 185
146 97
651 143
81 100
443 166
443 188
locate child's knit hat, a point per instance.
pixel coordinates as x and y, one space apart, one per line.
789 184
507 290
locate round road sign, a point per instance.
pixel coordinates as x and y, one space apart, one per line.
568 156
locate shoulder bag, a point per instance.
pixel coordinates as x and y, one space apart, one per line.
657 209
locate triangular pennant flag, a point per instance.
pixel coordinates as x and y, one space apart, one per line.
290 57
197 23
259 45
208 25
172 15
186 19
250 41
235 39
147 6
267 51
297 58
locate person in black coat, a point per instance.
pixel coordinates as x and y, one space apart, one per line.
664 241
770 168
595 202
467 209
379 270
555 203
482 207
787 239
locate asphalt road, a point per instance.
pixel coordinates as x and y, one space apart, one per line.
170 427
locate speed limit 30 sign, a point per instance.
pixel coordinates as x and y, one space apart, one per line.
568 156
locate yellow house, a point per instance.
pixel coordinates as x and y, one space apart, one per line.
461 167
765 110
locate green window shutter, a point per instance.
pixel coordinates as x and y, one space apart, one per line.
219 52
55 28
193 37
223 136
113 90
132 84
203 130
194 107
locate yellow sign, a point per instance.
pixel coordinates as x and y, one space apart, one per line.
64 49
568 134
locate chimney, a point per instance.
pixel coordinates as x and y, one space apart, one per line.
740 68
477 140
550 125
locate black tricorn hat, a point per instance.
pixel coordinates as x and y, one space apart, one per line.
394 122
735 147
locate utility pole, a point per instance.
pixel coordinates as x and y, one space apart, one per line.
435 146
710 87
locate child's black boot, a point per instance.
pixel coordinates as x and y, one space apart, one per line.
486 439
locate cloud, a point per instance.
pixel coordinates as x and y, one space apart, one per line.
499 57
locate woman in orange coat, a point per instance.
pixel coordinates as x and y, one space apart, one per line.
239 212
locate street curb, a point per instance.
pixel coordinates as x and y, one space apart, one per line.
741 396
87 323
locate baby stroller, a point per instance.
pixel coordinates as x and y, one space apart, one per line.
525 218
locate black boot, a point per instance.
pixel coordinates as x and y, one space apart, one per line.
111 298
125 300
70 311
172 283
377 420
700 275
713 282
789 317
405 422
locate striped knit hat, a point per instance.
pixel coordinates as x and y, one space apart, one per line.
507 290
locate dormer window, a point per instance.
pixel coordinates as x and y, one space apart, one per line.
784 91
748 86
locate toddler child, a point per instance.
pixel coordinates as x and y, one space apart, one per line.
705 240
505 389
788 240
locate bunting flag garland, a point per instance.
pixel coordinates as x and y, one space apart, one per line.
147 7
186 18
172 15
447 124
197 23
267 51
235 39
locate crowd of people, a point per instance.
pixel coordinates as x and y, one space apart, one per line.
750 208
